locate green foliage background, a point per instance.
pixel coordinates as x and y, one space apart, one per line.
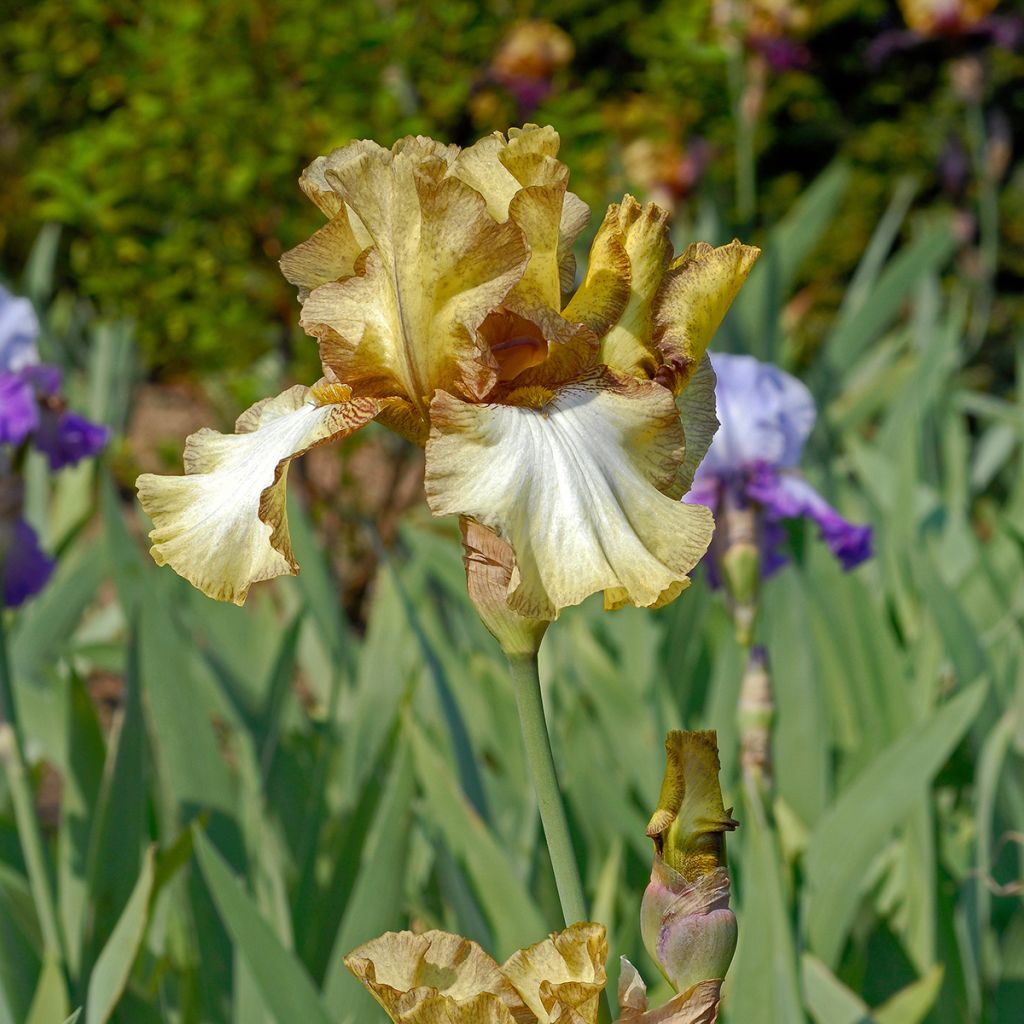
230 799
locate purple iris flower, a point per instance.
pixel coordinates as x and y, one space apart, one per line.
766 417
32 413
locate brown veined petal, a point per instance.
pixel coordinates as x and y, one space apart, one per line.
629 345
327 255
693 300
406 323
561 979
697 412
224 524
438 1009
574 481
604 291
402 965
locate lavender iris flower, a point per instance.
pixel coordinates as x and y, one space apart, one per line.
766 417
32 413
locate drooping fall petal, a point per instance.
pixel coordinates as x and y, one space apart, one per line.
574 481
407 321
224 525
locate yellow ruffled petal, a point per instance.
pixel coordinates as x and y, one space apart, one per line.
629 345
522 179
604 291
224 525
573 480
693 300
404 971
407 321
561 979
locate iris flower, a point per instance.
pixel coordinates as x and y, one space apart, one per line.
766 417
32 415
562 427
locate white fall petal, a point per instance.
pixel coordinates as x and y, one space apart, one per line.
576 486
224 525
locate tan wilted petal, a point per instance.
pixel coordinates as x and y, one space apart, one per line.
693 299
404 970
698 1005
489 567
561 979
406 323
224 524
438 1009
573 480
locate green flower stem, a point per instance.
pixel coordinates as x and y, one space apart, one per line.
545 783
12 754
541 763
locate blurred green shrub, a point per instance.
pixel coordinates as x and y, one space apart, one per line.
167 139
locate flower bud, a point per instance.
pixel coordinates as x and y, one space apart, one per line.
685 920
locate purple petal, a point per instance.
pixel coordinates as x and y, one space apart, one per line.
19 411
766 415
44 379
790 496
65 438
25 567
19 329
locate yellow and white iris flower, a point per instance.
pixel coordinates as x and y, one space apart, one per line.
562 427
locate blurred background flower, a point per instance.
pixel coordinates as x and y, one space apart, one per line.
33 415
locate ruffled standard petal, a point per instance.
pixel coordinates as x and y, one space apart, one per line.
694 297
643 232
789 496
406 323
561 979
575 482
405 972
522 179
224 525
696 405
438 1009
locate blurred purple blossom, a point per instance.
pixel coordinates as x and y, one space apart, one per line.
32 413
766 417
